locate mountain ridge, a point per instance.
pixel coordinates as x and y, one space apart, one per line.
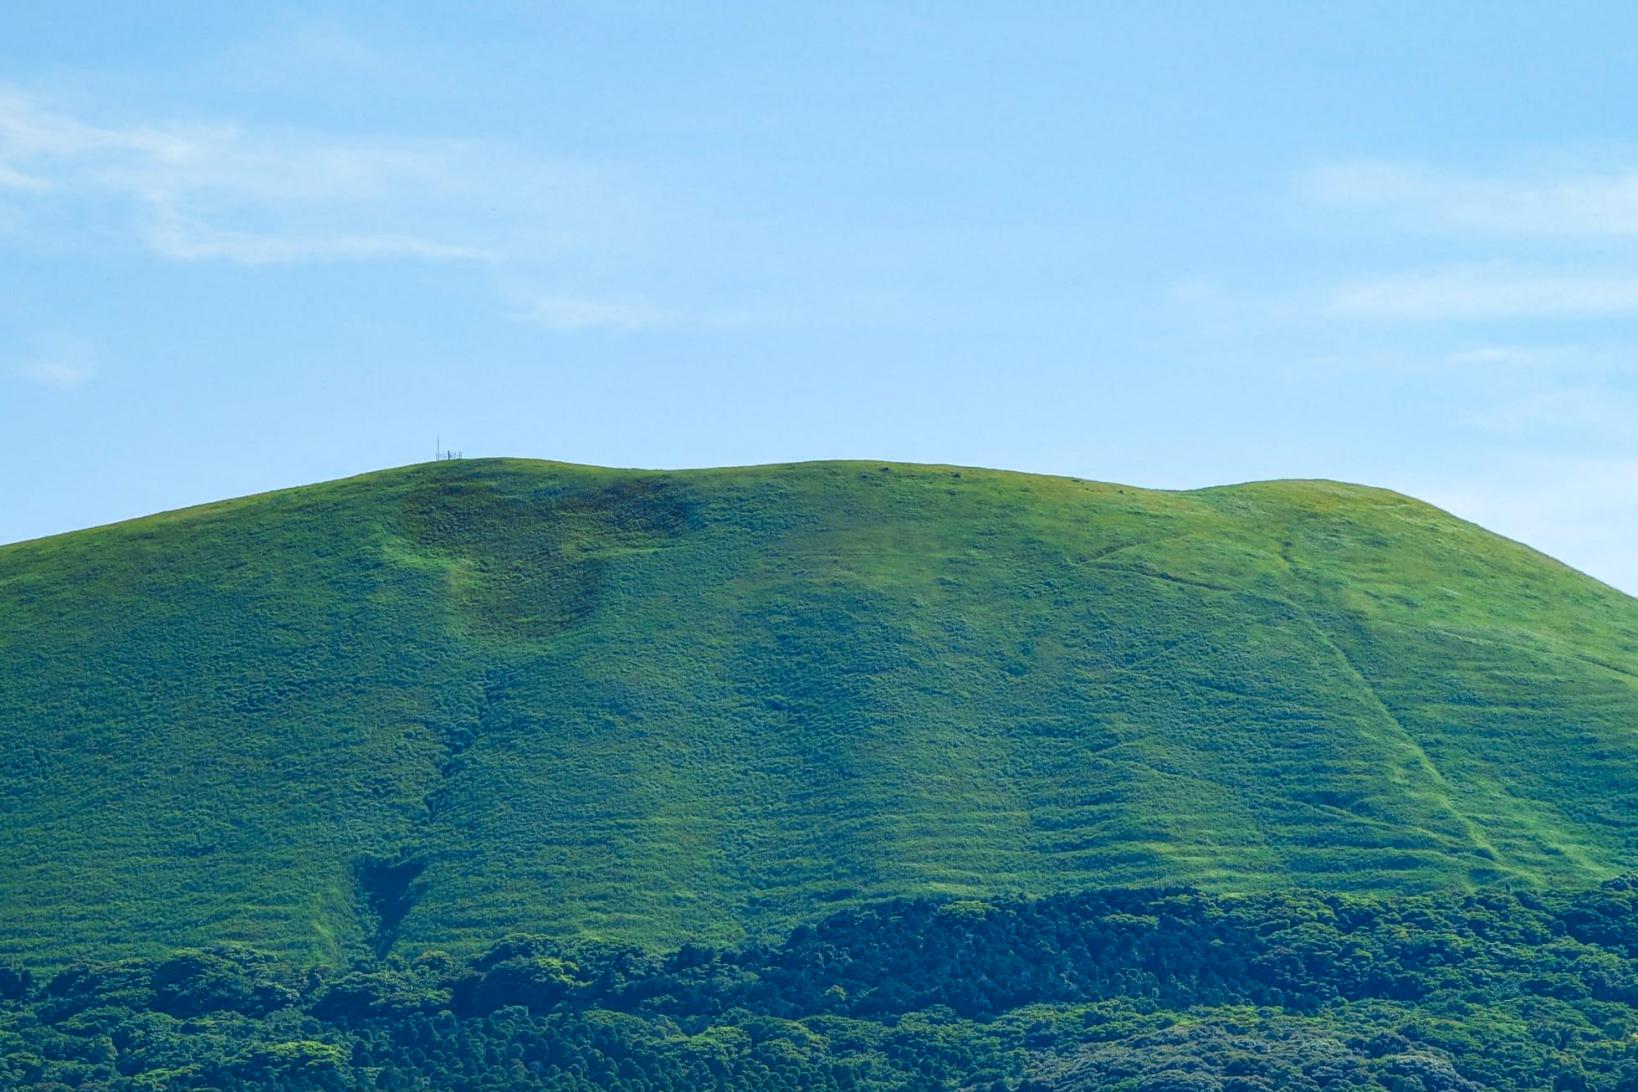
430 705
501 460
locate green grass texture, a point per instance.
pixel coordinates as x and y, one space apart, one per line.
430 706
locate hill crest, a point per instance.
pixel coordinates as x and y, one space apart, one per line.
431 705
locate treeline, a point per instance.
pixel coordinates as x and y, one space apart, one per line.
1147 990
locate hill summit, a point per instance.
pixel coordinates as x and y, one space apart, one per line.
430 706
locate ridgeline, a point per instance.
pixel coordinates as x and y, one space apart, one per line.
432 706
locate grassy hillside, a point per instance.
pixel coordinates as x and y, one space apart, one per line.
430 706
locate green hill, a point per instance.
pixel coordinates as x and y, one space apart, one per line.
431 706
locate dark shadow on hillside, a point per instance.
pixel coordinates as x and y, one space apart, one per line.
387 891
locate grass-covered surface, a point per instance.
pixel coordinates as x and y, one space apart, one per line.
1129 991
432 706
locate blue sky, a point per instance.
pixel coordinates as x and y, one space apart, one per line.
249 246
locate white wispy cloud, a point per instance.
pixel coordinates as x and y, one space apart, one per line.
1492 355
292 50
13 179
576 313
1588 411
172 235
1584 205
193 192
56 373
1485 292
59 361
566 313
1558 225
256 196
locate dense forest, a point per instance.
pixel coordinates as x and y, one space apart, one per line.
1152 990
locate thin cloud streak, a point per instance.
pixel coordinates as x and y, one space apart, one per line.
59 362
1494 355
567 314
173 236
1587 411
1477 293
1586 206
56 373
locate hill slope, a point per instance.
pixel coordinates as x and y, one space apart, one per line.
429 706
